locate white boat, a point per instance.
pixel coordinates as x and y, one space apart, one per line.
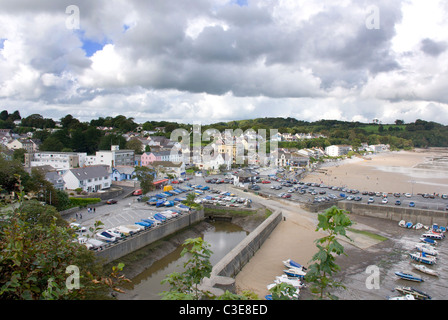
292 264
105 236
422 257
406 297
402 224
432 235
134 227
295 272
425 269
418 226
426 248
295 282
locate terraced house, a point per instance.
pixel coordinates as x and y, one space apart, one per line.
89 179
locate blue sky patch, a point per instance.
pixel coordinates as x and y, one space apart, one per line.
2 43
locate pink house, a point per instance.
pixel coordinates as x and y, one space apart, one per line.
148 158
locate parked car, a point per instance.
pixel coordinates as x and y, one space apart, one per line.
265 181
398 202
412 204
137 192
286 196
111 201
371 200
384 201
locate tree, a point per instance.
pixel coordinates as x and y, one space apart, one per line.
334 221
36 253
135 144
146 177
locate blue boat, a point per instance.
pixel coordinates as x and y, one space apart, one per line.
295 273
160 217
292 264
409 276
423 257
152 201
148 221
168 203
160 202
160 196
268 297
144 224
428 240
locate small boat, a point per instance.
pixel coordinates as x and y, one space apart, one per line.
433 235
160 217
292 264
426 248
295 282
428 240
152 201
422 257
409 225
418 226
419 295
160 202
168 203
295 273
408 276
402 224
405 297
425 269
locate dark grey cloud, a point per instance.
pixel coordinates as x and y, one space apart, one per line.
433 48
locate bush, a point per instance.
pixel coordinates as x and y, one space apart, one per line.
82 202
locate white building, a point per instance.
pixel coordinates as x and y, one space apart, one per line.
58 160
378 148
89 179
337 150
114 157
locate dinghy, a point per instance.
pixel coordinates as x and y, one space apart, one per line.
402 224
408 276
425 269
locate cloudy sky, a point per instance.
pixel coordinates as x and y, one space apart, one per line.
218 60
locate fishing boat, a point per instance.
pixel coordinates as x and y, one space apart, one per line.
425 269
422 257
419 295
408 276
292 264
295 273
426 248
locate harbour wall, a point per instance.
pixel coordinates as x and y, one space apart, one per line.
396 213
144 238
234 261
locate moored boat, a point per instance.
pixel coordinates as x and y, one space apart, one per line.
428 240
425 269
405 297
418 294
433 235
422 257
295 272
292 264
409 276
426 248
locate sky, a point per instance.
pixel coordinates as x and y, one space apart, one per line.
207 61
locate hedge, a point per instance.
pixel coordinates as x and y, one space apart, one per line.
82 202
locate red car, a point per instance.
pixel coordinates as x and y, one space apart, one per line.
286 196
265 181
111 201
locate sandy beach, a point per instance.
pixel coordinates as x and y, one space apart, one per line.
403 171
294 237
